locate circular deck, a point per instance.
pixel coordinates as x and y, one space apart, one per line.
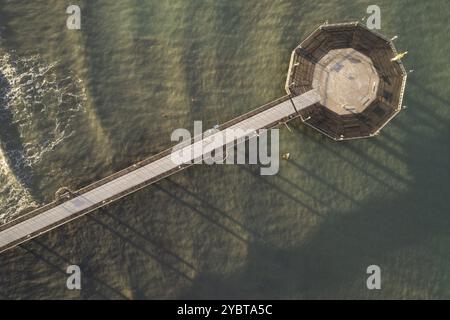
351 68
346 81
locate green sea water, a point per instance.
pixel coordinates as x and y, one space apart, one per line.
79 105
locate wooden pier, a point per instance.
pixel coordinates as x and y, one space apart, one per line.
341 82
72 205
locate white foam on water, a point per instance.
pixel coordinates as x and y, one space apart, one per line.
43 108
14 197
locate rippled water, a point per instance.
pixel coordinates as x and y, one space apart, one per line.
36 113
79 105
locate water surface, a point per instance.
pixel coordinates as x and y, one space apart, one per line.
79 105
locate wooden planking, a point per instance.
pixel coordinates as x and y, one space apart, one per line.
91 199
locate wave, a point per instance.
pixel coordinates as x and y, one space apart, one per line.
37 114
14 197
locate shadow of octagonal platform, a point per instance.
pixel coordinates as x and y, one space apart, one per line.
350 67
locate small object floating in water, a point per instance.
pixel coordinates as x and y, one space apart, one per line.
286 156
394 38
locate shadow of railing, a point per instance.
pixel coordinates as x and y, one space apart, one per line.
50 263
207 204
283 192
432 94
376 164
324 182
354 165
303 190
140 248
158 246
86 274
204 215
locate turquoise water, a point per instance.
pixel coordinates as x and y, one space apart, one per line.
79 105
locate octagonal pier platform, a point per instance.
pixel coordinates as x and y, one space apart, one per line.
351 67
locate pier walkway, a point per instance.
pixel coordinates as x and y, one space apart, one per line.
72 205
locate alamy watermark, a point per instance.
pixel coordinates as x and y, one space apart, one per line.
374 20
73 21
228 146
73 281
373 282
